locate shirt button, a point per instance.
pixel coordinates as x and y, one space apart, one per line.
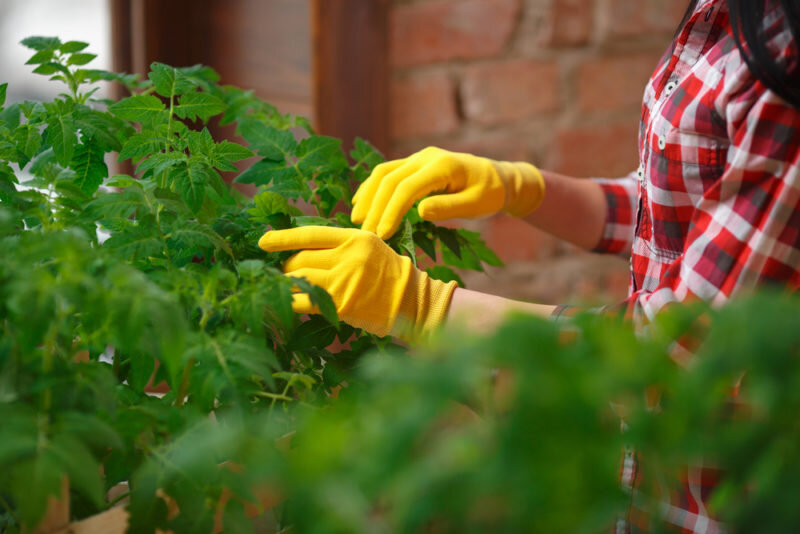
662 142
640 173
671 86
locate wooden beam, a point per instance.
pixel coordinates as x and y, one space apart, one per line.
350 45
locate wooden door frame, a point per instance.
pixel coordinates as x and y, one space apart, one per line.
350 87
351 69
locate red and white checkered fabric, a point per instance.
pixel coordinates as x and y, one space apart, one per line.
714 208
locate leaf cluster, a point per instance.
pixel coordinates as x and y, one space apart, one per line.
543 449
111 285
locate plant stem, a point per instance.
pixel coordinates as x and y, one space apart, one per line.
273 396
184 387
283 396
115 363
117 499
10 511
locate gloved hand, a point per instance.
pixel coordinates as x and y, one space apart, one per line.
372 287
473 187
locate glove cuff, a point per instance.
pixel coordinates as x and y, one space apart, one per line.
524 186
424 306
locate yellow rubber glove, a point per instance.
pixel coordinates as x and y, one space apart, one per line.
472 187
372 287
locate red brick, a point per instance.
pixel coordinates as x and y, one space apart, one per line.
505 148
570 23
423 105
639 18
622 18
444 30
665 15
509 91
614 83
605 150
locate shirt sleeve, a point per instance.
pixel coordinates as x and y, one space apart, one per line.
621 198
745 231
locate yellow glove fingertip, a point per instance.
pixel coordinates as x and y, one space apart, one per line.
386 230
301 303
358 214
264 242
430 209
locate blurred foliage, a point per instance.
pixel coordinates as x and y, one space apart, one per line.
542 454
110 283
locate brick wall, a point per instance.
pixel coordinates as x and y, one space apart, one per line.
554 82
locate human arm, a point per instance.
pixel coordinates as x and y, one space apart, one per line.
481 312
573 209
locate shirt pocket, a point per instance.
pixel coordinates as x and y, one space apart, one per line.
683 167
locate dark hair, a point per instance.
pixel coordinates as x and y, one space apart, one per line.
747 18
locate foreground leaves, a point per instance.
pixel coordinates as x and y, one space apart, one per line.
113 285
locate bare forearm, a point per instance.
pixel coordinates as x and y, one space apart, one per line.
482 312
573 209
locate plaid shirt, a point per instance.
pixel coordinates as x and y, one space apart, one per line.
714 208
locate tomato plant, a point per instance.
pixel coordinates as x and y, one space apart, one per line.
108 283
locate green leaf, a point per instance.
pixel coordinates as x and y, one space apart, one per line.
320 151
139 145
235 519
160 162
449 238
80 59
479 248
117 205
90 167
143 366
423 241
226 152
200 73
37 479
365 154
81 467
41 43
201 144
42 56
7 183
61 135
262 172
317 332
32 110
202 105
193 234
190 182
169 81
320 298
9 117
50 68
139 108
70 47
21 439
445 274
102 128
28 141
405 241
268 142
135 241
270 203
